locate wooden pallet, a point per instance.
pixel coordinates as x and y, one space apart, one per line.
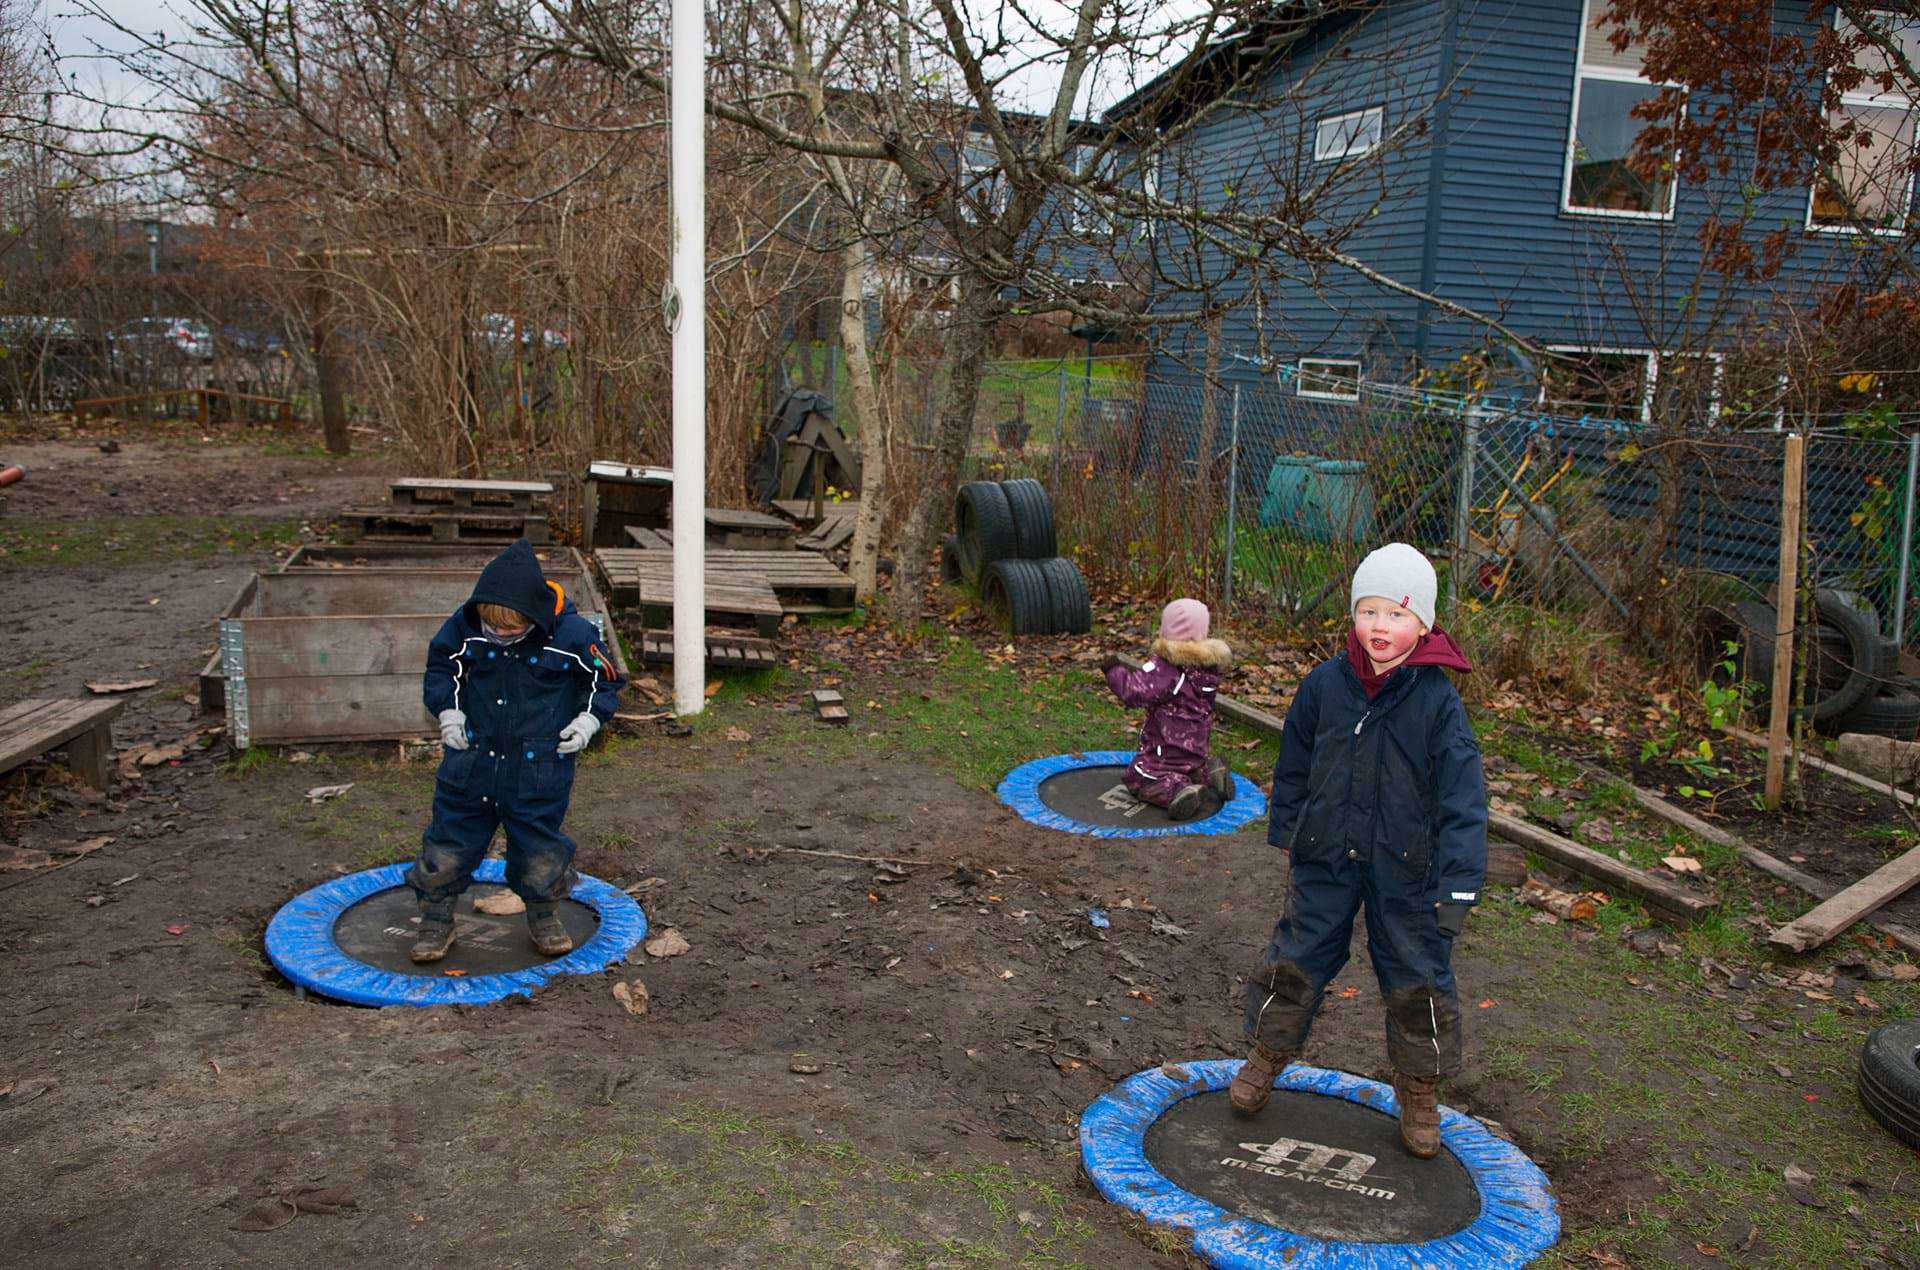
829 531
452 525
804 583
725 650
429 494
645 579
733 529
81 730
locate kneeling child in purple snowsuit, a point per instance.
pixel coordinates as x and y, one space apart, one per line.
1172 766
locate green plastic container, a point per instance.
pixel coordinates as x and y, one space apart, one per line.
1287 484
1339 503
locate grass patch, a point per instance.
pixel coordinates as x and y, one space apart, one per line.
135 540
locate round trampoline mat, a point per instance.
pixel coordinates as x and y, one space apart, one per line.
1317 1179
348 939
1099 796
1086 793
380 931
1314 1165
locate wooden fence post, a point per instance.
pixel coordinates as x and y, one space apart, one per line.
1792 480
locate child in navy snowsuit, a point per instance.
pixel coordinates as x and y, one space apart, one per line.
519 682
1378 798
1171 766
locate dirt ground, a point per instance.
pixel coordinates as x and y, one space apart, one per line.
161 1078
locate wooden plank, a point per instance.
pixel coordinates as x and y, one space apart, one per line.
359 644
740 518
647 539
1666 898
336 708
44 724
829 706
743 651
1832 769
1792 487
1844 908
482 487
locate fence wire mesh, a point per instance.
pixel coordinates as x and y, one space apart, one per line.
1262 494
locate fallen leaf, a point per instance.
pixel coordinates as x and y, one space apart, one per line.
321 793
86 846
454 974
94 901
633 996
738 735
1598 830
500 904
105 687
643 886
1349 993
1906 972
178 928
668 943
1006 974
1681 863
1800 1187
1488 1004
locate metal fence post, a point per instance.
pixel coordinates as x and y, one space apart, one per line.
1463 510
1059 428
1233 491
1899 631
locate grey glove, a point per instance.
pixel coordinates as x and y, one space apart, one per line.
1451 918
575 735
453 729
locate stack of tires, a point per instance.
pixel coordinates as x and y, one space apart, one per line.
1004 546
1889 1079
1857 685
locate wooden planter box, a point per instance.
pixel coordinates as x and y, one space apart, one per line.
332 647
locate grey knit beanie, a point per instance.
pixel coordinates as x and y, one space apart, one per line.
1401 574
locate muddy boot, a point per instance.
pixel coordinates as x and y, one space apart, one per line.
549 936
1220 779
1419 1114
436 932
1186 804
1254 1081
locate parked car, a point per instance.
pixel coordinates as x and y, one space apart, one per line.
252 343
162 338
497 330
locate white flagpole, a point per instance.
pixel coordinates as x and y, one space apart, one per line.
687 311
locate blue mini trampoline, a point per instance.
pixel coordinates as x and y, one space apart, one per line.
1083 793
1316 1181
348 939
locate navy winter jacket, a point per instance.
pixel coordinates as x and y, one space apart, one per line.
530 689
1396 779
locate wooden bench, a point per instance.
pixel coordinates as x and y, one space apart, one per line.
82 730
431 494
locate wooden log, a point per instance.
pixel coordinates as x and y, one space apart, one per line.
1844 908
1665 898
829 706
1834 769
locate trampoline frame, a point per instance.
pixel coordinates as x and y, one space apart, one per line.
1518 1217
1020 790
301 946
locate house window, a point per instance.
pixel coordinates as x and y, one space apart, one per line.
981 183
1603 177
1149 186
1688 387
1870 184
1329 378
1604 383
1348 136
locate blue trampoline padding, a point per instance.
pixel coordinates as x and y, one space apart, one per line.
1518 1216
1021 791
300 944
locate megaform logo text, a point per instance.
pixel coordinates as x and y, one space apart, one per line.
1331 1167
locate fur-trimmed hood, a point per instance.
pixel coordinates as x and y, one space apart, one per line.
1206 654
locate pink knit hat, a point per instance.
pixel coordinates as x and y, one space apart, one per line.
1183 621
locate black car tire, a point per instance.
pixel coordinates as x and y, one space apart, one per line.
983 522
1067 591
1889 1079
1033 529
1014 593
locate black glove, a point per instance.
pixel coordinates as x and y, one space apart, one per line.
1451 917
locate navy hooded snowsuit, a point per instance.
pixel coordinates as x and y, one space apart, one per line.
1379 802
517 697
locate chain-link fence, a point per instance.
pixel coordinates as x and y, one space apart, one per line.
1263 493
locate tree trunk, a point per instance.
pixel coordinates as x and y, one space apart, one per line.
333 407
866 407
966 354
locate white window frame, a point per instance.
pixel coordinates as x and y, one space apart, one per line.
1351 150
1300 378
972 183
1149 188
1714 391
1868 101
1610 350
1582 71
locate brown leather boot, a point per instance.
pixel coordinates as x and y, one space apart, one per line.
1253 1083
549 935
435 935
1419 1114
